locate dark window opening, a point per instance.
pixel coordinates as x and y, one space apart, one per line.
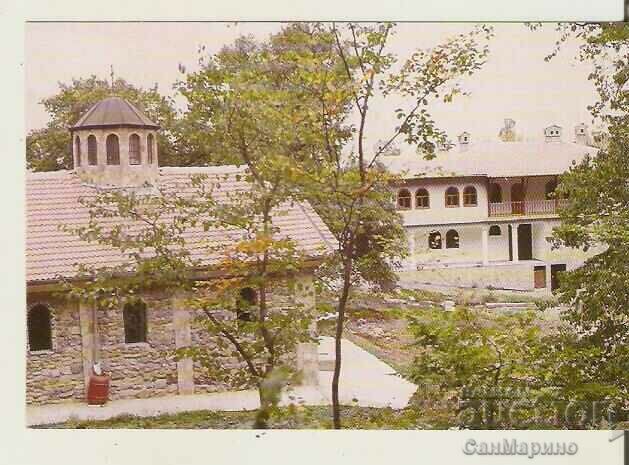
134 316
469 197
113 150
434 240
404 199
422 199
39 328
92 150
134 150
495 230
452 239
149 149
452 197
247 300
77 143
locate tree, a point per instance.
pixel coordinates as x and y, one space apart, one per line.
153 233
597 213
50 148
503 371
353 192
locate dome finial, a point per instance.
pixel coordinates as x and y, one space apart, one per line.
111 68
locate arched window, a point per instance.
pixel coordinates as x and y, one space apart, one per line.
134 317
549 190
134 150
149 148
452 239
247 299
113 150
422 199
404 199
494 230
469 197
92 150
495 193
77 143
434 240
452 197
39 328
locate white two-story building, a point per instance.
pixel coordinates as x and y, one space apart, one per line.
480 213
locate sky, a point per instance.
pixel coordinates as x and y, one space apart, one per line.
515 82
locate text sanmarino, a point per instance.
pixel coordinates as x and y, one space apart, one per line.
514 447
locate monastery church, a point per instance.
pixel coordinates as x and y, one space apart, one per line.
115 147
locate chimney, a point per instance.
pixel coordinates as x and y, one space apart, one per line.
552 133
464 141
507 133
581 134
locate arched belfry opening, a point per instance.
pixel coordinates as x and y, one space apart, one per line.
115 145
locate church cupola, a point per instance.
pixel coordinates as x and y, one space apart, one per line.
115 144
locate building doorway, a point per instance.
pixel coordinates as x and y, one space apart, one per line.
555 275
539 276
525 242
517 199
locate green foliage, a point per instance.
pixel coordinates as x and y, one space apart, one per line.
50 148
503 372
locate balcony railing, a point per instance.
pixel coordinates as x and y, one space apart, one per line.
526 207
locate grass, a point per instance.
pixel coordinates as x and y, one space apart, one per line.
284 418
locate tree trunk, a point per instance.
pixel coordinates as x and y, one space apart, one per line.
264 412
340 319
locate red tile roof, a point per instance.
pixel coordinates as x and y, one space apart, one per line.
52 201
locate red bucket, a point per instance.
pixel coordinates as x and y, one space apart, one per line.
98 390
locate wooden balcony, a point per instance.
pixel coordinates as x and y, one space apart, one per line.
527 208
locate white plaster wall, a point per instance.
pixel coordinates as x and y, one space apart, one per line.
470 247
438 212
499 245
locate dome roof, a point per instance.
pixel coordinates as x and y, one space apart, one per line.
113 112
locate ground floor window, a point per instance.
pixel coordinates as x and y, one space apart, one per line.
434 240
39 324
134 316
495 230
452 239
247 299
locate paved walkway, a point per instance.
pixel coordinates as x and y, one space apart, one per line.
366 381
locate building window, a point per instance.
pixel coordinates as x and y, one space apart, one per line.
452 197
247 300
434 240
113 150
494 230
77 143
39 325
92 151
149 148
134 150
469 197
495 193
422 199
404 199
452 239
134 316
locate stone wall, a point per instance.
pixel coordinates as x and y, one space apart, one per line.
141 369
56 375
136 370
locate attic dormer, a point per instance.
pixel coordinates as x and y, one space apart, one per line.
115 144
552 133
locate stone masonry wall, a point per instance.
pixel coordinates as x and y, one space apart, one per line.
56 375
144 369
